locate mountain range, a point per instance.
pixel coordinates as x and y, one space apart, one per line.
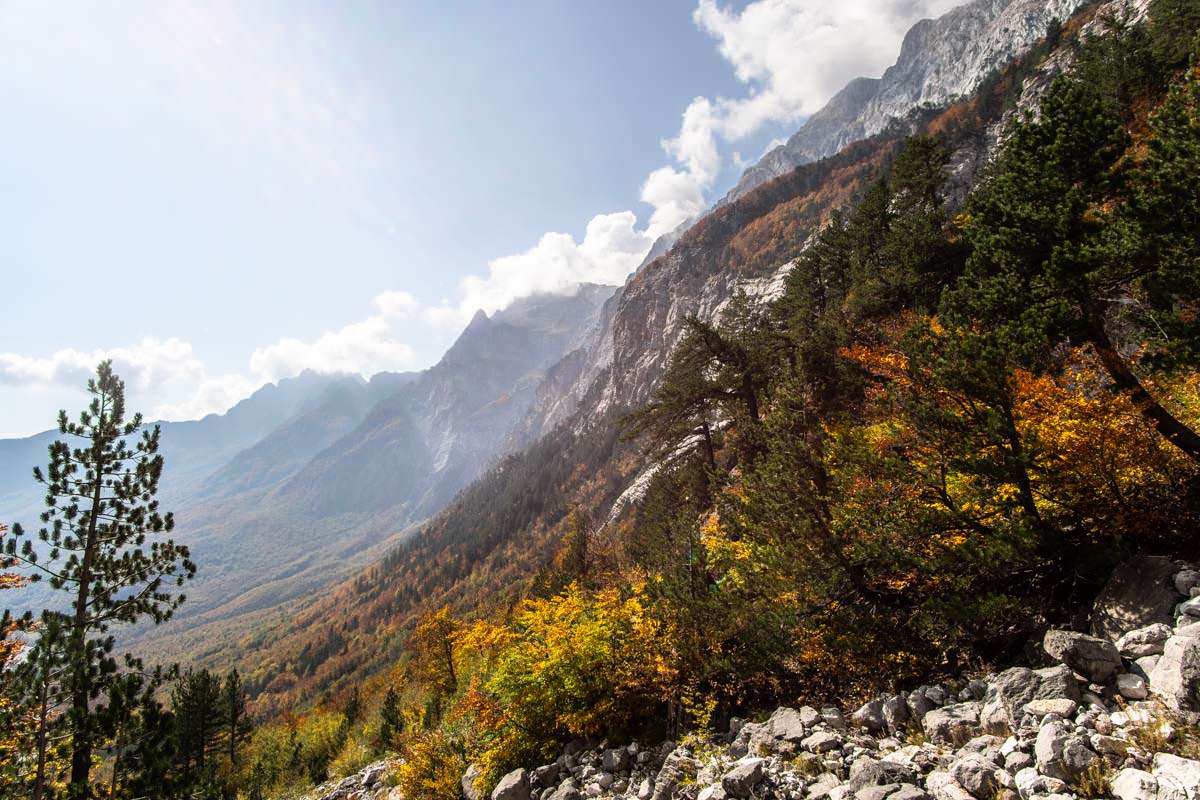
327 509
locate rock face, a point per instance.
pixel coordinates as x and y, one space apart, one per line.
1141 592
940 60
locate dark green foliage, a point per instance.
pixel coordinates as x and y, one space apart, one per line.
198 708
100 543
391 721
1173 32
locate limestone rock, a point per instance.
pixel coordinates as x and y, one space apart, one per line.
742 779
1176 677
977 775
513 786
1094 658
952 724
1147 641
1140 592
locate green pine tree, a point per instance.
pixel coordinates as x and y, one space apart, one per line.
102 544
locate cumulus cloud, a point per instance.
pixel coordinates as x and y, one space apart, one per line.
170 369
148 365
612 247
793 55
366 347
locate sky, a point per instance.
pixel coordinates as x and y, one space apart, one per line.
221 194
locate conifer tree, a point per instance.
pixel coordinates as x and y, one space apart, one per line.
196 701
235 718
391 720
1048 264
101 543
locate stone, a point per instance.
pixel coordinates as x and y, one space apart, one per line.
1135 784
1060 753
545 775
373 774
1008 692
741 780
867 771
569 790
470 790
895 712
1145 665
1109 745
513 786
908 791
1031 782
870 716
1062 706
1017 761
1147 641
876 792
952 724
713 792
1190 608
918 705
833 718
823 785
1132 687
1140 592
822 742
645 789
786 724
937 695
976 774
942 786
1176 771
1094 658
809 717
678 766
1176 677
1187 580
615 760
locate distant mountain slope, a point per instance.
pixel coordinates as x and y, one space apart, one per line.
940 61
329 490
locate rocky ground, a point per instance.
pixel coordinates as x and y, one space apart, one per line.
1114 715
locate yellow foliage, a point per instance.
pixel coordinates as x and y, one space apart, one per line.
432 768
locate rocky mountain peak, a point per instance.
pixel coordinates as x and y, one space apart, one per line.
940 61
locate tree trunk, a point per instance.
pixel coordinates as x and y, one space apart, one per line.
1122 376
81 684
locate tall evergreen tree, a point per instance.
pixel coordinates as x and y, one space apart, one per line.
235 718
391 720
101 543
197 704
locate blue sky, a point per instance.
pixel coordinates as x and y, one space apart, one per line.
220 194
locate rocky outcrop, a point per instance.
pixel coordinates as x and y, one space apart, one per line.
940 61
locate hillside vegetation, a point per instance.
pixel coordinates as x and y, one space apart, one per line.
933 445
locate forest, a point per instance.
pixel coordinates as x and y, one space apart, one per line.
936 443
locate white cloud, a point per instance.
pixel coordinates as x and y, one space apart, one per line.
147 366
393 303
612 247
366 347
168 372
